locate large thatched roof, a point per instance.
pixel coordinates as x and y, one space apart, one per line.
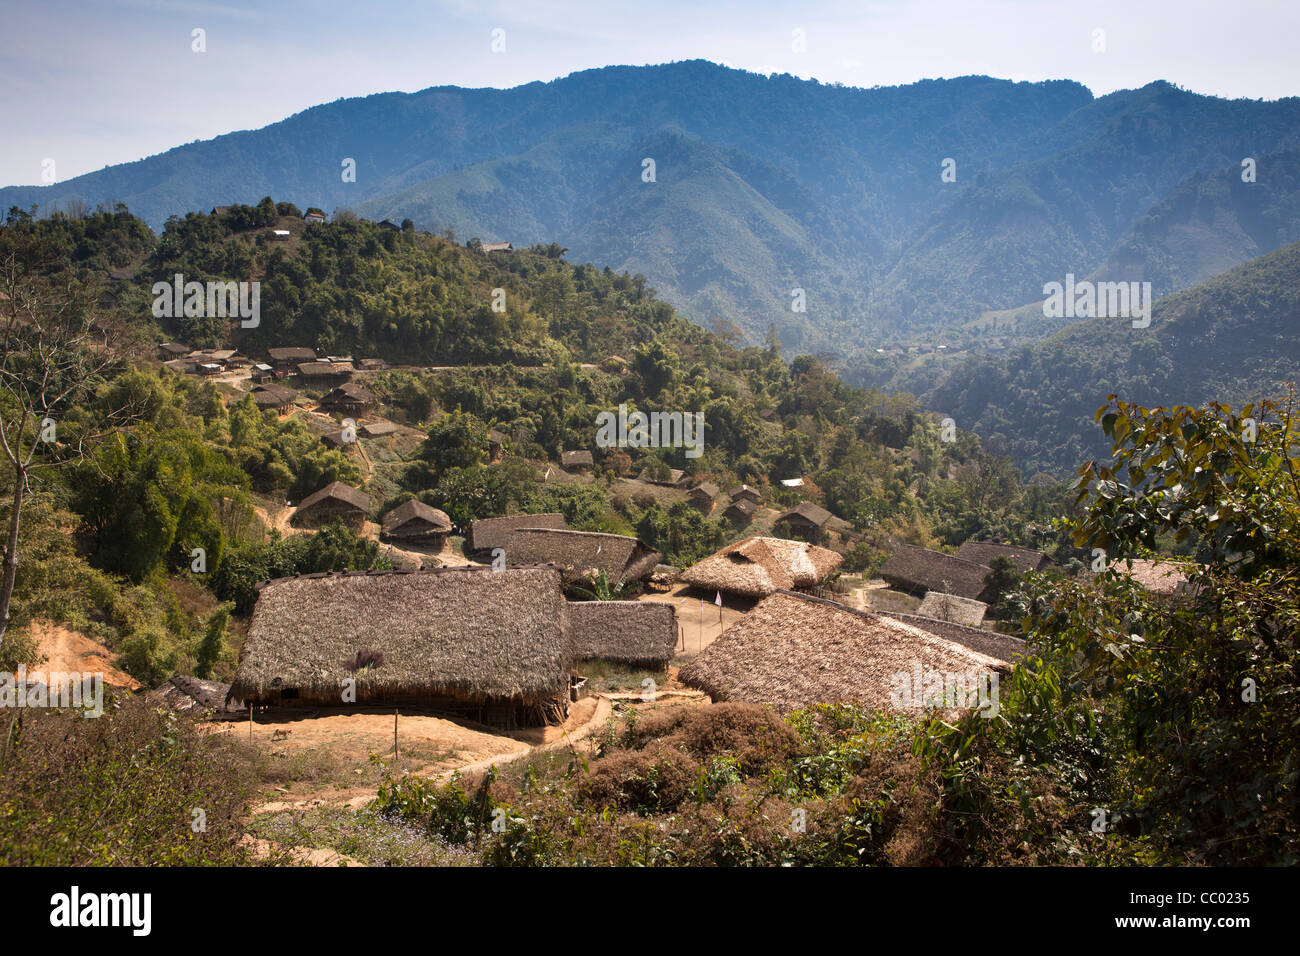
488 533
793 651
920 569
464 632
950 607
336 492
583 554
755 567
1004 647
415 518
983 552
631 632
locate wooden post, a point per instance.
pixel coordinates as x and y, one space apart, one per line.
250 721
394 733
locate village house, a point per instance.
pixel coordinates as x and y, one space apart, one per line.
793 651
759 566
583 555
745 492
389 226
740 512
580 460
414 522
280 235
1164 579
1003 647
806 520
350 398
918 570
278 397
335 502
983 552
497 247
312 218
261 372
489 646
288 359
496 445
172 350
379 429
325 373
703 495
487 534
632 633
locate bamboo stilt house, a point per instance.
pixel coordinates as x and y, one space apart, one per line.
759 566
794 650
640 633
493 646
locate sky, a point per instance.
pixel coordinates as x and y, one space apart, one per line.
89 84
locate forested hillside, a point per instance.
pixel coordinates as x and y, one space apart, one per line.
1231 339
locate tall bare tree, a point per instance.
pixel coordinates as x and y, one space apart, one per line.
52 353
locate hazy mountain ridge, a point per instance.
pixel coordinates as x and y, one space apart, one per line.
767 184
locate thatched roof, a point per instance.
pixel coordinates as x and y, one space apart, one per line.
350 393
292 354
920 569
414 518
742 509
806 511
583 554
193 695
755 567
325 369
744 491
950 607
462 632
983 552
631 632
273 396
379 428
793 651
1158 577
336 492
1004 647
488 533
705 491
576 459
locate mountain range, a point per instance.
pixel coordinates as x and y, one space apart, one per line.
763 185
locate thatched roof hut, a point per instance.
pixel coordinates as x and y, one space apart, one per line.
919 570
793 651
488 533
741 511
335 500
492 645
983 552
950 607
758 566
273 396
415 521
640 633
744 491
583 554
580 458
704 492
805 519
351 397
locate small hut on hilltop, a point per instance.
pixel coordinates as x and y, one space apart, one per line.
492 646
578 460
918 570
414 521
806 520
703 495
758 566
583 554
335 502
637 633
793 651
486 534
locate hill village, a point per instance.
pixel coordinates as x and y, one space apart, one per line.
499 622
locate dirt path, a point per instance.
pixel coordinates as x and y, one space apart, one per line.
699 628
67 652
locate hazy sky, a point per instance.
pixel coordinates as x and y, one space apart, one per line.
89 84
